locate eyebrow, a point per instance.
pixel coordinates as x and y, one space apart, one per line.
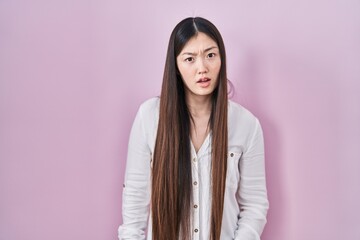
193 54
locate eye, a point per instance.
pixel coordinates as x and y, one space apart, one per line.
189 59
211 55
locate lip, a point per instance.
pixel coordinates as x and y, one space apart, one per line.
203 80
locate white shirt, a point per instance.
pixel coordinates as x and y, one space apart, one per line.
245 203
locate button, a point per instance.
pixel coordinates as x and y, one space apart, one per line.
231 154
195 206
194 159
123 185
196 230
195 183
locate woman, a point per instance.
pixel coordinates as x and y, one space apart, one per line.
195 167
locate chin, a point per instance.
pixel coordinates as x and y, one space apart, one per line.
205 93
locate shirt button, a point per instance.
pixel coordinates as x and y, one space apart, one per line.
195 183
196 230
195 206
231 154
194 159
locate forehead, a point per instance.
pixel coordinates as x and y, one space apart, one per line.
199 42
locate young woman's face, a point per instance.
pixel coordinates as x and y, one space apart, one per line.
199 64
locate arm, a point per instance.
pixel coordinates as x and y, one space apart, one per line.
252 194
136 191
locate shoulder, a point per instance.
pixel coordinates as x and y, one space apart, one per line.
238 111
150 106
240 119
148 115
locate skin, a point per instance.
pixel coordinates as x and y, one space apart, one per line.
199 64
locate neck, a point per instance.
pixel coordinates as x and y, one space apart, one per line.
199 105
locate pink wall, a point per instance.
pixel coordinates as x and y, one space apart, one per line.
72 74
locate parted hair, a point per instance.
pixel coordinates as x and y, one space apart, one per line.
171 191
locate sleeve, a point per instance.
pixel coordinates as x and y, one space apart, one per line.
252 194
136 188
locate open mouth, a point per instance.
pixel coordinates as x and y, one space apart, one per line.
203 80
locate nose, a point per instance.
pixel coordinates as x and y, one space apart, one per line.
202 68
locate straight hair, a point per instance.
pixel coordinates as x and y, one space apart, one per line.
171 191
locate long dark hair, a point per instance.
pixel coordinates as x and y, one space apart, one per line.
171 194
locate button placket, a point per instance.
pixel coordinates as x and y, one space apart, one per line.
196 197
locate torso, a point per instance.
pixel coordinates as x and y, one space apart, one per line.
242 126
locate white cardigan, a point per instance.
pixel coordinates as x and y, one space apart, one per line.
245 203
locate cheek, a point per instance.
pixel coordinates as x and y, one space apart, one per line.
217 67
185 71
180 68
219 64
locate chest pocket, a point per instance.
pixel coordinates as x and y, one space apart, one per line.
233 171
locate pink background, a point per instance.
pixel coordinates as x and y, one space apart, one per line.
73 73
